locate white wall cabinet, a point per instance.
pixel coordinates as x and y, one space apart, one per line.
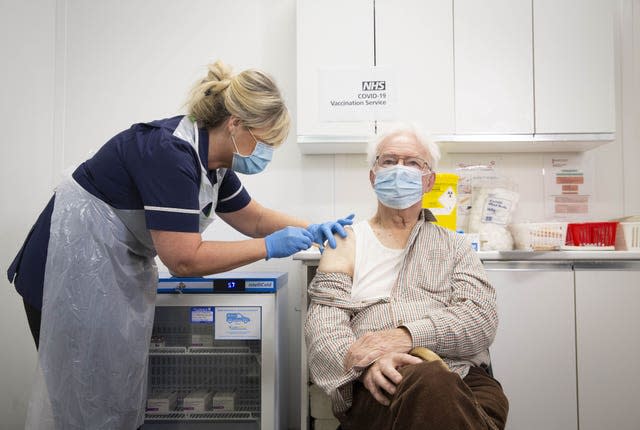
574 66
533 76
492 76
414 38
608 342
533 354
331 33
493 67
503 46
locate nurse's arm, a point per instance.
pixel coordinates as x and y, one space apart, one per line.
255 220
186 254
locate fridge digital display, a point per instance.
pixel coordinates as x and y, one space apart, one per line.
228 285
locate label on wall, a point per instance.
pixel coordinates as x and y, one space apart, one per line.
568 186
356 94
238 322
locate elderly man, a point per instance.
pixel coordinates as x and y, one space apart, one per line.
402 314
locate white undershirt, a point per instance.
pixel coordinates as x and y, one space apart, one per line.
376 266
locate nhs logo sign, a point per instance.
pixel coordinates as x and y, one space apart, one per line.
374 85
357 94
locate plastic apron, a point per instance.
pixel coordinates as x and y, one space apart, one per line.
98 309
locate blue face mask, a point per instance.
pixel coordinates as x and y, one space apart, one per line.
398 187
254 163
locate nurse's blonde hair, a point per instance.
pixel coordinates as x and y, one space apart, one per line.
251 95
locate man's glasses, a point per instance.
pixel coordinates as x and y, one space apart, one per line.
390 160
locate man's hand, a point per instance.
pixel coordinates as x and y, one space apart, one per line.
383 376
373 345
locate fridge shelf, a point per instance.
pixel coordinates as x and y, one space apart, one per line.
200 350
167 350
219 349
202 416
184 352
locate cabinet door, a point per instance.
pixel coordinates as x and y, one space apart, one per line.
331 34
415 39
574 66
533 355
608 322
493 66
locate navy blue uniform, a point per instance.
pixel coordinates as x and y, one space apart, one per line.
144 168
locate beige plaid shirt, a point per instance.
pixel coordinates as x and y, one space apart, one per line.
442 296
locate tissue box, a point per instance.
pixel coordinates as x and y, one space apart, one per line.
198 401
224 401
162 403
157 342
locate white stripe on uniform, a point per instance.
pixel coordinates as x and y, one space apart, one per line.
176 210
232 195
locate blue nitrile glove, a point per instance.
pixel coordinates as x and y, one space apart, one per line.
325 230
287 241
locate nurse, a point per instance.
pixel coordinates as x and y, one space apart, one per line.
86 271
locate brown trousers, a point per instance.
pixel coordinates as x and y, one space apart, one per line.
430 397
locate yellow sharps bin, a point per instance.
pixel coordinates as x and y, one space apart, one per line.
442 200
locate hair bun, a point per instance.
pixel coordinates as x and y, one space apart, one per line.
218 71
215 87
217 80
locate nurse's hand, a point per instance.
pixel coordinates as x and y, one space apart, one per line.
287 241
324 231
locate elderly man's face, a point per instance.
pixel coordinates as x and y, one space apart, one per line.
405 145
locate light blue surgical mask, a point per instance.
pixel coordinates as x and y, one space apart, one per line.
398 187
253 163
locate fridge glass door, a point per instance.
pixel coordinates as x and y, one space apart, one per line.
203 376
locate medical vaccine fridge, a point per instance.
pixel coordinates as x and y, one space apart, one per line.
217 356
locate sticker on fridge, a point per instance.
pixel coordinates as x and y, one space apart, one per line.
238 322
201 315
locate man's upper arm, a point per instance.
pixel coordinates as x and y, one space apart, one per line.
342 258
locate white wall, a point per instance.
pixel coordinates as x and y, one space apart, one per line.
628 46
74 73
26 152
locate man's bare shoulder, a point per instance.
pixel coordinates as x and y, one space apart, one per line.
342 258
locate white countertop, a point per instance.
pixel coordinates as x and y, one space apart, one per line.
558 255
312 256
